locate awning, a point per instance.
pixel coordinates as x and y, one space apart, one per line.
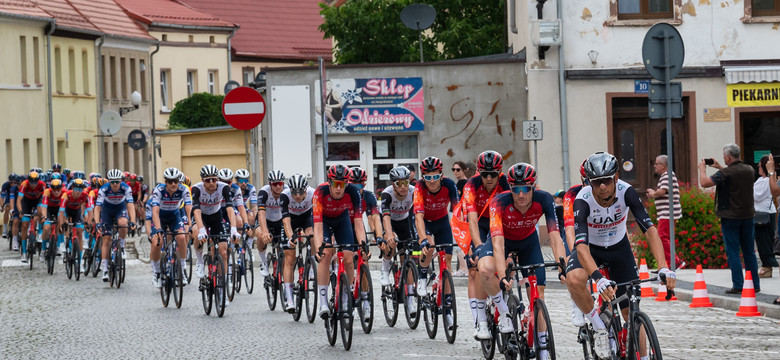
752 74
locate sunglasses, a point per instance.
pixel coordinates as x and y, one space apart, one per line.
210 180
338 183
359 186
525 189
493 174
114 182
171 181
436 177
298 192
455 169
242 181
606 181
401 183
277 183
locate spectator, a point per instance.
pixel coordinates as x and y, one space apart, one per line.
458 169
413 176
734 207
661 196
471 169
764 191
558 198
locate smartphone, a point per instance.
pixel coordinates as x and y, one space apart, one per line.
709 161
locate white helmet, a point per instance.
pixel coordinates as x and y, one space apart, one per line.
275 175
208 171
114 174
242 174
225 174
297 182
171 173
181 177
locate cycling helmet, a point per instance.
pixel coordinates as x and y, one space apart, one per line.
19 178
583 175
171 173
141 178
55 176
66 171
430 164
33 176
338 172
12 177
37 169
357 175
56 184
187 180
225 175
99 182
297 182
49 172
400 173
489 161
45 178
79 184
208 171
126 174
181 177
80 175
56 166
275 176
522 174
113 174
133 177
242 174
601 164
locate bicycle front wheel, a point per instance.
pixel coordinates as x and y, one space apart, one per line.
543 334
345 314
644 332
332 318
270 284
231 273
97 254
390 297
220 286
68 263
249 276
165 288
206 288
119 267
51 254
77 263
489 345
177 282
189 262
366 297
411 299
449 307
310 288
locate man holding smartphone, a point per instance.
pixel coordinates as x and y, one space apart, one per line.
734 207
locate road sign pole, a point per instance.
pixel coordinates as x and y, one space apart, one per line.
324 120
669 149
536 160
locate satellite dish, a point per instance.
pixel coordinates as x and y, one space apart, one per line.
232 84
418 16
110 122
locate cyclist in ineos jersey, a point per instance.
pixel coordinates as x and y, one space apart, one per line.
600 215
358 177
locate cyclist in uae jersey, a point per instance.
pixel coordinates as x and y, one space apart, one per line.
225 175
397 200
212 208
166 216
72 208
600 215
270 214
301 196
27 200
49 209
114 203
335 209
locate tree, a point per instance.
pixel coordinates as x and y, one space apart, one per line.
197 111
372 32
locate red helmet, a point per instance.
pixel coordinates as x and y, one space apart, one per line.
338 172
431 164
357 175
522 174
583 176
125 174
133 177
489 161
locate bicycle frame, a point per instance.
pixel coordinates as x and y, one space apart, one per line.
408 254
527 323
341 269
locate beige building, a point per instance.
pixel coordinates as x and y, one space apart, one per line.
188 150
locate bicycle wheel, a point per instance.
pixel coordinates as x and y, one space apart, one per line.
543 319
189 261
231 273
112 275
270 283
298 289
390 298
97 256
345 315
240 263
178 283
220 286
31 250
413 312
510 341
585 337
644 331
310 288
489 346
68 263
165 280
366 293
51 254
332 318
76 264
449 306
119 268
430 312
249 275
206 288
87 259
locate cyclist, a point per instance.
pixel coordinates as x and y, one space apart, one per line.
300 194
212 208
27 200
72 208
56 168
600 215
358 177
5 194
49 209
431 200
577 317
166 203
14 216
269 214
513 218
114 203
335 208
226 176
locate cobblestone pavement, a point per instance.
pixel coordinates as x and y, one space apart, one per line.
46 316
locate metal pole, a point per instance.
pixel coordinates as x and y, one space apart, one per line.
419 38
246 148
536 158
563 105
669 151
324 119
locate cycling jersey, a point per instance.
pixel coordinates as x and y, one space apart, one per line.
300 208
607 226
433 206
475 196
4 193
9 194
211 203
249 194
71 202
368 203
189 194
235 194
568 204
275 209
325 206
170 203
50 199
135 189
397 209
507 221
29 191
107 197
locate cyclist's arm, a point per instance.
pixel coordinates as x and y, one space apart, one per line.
286 222
497 237
262 197
548 207
360 228
581 212
228 206
19 197
156 216
96 213
130 204
646 225
316 212
568 218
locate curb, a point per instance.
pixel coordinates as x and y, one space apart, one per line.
684 292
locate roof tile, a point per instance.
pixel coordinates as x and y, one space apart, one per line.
107 16
170 12
66 15
22 7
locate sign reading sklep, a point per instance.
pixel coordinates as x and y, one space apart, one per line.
754 94
372 105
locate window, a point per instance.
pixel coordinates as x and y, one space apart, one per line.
23 52
123 77
103 76
112 69
164 37
85 71
248 75
72 71
133 74
36 61
645 9
766 7
213 82
61 153
26 151
58 69
142 68
9 156
39 147
165 95
87 156
191 38
211 40
192 82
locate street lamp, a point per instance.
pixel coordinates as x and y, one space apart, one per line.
135 99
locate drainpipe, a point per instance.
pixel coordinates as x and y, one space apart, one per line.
230 54
154 115
539 8
564 118
513 16
101 142
48 76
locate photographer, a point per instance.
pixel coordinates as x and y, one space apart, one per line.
765 189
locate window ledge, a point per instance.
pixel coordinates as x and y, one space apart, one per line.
642 22
165 112
749 19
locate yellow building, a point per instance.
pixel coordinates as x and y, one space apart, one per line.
188 150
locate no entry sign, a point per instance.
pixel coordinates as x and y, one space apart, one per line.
243 108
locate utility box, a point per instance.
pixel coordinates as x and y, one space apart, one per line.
546 32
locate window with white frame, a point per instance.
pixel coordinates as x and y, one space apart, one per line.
213 81
165 94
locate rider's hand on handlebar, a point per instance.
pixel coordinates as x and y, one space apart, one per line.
506 283
606 289
668 278
202 234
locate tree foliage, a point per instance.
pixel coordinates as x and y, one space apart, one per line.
197 111
372 32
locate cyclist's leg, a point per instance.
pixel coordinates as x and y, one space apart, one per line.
122 221
529 252
443 235
107 217
622 268
487 277
323 268
476 293
344 232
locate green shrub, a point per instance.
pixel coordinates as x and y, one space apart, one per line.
698 238
197 111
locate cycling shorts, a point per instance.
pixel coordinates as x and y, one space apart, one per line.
216 225
622 266
528 252
403 230
73 216
29 206
441 231
51 213
171 222
110 214
303 221
340 227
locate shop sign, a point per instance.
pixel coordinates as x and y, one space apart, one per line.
358 106
754 94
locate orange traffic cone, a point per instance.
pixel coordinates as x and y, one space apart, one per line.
748 305
647 291
662 294
700 296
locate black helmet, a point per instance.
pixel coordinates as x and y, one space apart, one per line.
430 164
601 164
338 172
489 161
357 175
56 166
522 174
400 173
12 177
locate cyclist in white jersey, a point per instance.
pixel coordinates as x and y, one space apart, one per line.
249 195
213 212
271 209
396 201
600 214
166 215
225 175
